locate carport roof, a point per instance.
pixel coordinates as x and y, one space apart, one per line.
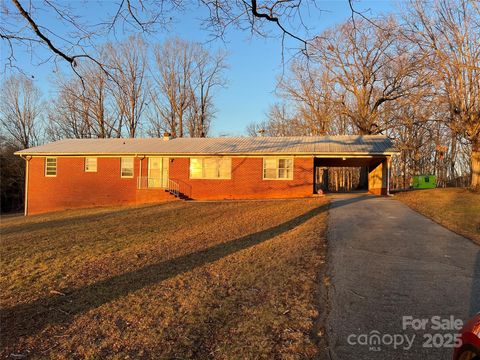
297 145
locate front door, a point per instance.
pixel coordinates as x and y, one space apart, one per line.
157 172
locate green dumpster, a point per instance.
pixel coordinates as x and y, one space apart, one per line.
424 182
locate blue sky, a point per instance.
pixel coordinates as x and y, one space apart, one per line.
254 62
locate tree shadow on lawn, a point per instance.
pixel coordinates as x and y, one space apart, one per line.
28 319
102 214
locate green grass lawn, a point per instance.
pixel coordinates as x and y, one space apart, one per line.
179 280
455 208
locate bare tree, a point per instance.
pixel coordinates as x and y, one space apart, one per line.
416 133
103 115
309 90
281 120
70 36
68 115
206 78
185 78
448 32
172 93
416 82
256 128
21 110
83 108
369 67
128 60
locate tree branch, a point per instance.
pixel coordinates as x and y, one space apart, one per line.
37 31
272 18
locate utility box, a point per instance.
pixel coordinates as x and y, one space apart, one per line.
424 182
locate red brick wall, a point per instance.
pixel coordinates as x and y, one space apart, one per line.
246 181
75 188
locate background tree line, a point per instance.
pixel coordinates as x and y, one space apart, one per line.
414 77
138 91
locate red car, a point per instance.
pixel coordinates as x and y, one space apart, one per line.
470 337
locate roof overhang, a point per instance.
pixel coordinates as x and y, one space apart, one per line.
136 154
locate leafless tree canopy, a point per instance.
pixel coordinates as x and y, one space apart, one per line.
173 93
128 60
23 25
448 34
20 111
414 77
185 76
84 110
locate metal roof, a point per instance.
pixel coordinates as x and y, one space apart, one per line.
311 145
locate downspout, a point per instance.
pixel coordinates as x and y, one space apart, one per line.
141 158
27 161
139 180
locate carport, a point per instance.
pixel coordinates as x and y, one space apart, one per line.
375 167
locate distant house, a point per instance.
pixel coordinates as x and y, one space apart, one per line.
78 173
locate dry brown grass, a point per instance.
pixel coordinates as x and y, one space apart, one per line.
179 280
456 209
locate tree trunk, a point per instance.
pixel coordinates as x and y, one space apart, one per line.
336 179
475 162
342 180
326 179
453 155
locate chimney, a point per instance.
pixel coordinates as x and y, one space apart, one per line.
167 136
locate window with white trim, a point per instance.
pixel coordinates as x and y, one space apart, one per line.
50 166
90 164
277 168
126 167
211 168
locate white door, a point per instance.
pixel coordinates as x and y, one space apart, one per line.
157 172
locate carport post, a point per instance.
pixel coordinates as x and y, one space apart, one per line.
389 161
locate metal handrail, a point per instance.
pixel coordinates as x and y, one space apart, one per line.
173 187
145 182
185 188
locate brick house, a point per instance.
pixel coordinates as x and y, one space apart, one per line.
76 173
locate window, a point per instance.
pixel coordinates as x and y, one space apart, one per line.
277 168
211 168
427 179
127 167
90 164
50 166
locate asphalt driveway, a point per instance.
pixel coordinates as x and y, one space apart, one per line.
395 277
